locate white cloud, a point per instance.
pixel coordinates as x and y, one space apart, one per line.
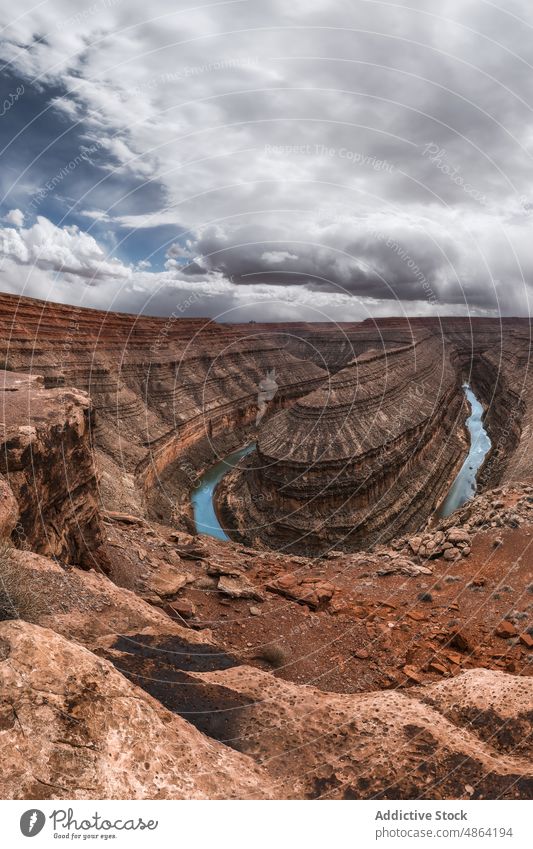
16 217
277 257
60 249
140 165
95 214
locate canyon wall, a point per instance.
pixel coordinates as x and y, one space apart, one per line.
210 669
169 396
165 392
331 345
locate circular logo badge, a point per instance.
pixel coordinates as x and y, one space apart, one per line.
32 822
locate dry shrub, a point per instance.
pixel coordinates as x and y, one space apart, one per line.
19 598
275 654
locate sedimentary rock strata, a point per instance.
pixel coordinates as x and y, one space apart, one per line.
167 393
332 346
363 458
172 395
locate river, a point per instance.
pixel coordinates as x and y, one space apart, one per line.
465 484
203 505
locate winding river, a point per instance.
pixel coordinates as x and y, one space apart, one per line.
203 505
461 491
465 484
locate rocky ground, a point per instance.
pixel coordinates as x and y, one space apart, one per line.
217 672
458 596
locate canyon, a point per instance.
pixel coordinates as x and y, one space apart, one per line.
345 641
362 459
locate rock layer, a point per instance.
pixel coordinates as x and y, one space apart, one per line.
173 395
167 393
360 460
47 462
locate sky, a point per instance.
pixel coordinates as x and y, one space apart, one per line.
268 160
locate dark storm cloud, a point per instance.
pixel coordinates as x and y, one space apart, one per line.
53 165
370 150
376 258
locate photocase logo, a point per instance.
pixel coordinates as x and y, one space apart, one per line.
32 822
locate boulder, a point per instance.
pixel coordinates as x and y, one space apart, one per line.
461 641
404 567
184 607
456 535
414 544
167 582
238 588
311 591
505 630
225 567
193 551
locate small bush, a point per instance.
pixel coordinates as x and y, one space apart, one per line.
18 599
274 654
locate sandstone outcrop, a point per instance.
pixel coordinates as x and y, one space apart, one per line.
431 742
72 727
47 461
85 606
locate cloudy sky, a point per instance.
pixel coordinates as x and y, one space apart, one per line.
315 159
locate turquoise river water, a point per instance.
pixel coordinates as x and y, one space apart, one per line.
465 484
205 517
